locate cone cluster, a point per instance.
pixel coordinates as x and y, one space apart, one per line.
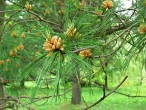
47 12
14 52
2 62
107 4
8 60
61 11
22 35
85 53
20 47
28 7
53 44
82 2
17 65
72 32
142 29
14 34
99 12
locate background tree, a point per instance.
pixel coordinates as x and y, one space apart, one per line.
68 41
2 16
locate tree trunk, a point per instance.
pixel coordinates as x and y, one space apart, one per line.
2 92
76 89
2 86
2 16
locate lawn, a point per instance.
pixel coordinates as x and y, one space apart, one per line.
89 96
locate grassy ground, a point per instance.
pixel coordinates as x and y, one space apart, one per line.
89 96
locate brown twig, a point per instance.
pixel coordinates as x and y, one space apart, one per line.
127 10
120 93
80 49
37 8
8 21
121 33
102 98
16 101
120 19
41 19
17 24
111 53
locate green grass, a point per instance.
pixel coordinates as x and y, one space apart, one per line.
113 102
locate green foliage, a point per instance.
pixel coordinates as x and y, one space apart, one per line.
112 38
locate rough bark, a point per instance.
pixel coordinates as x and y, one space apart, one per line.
2 92
2 16
76 89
